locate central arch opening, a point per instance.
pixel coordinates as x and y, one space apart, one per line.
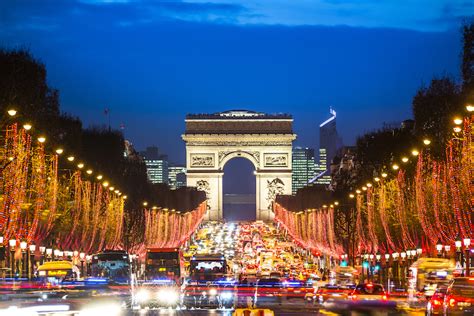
239 187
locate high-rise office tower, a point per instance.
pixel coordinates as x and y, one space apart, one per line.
176 176
329 143
156 165
303 167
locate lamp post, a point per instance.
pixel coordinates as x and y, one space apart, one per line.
397 266
447 249
467 245
32 261
24 257
371 266
42 253
12 244
439 247
82 257
387 270
403 256
56 254
49 254
88 265
378 256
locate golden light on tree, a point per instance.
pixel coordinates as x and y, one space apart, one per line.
395 167
415 152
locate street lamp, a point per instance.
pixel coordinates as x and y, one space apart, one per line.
49 254
457 120
12 244
447 248
439 247
81 257
31 264
24 255
467 245
42 250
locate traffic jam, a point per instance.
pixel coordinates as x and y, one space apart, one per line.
229 267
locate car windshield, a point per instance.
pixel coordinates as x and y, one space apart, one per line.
369 289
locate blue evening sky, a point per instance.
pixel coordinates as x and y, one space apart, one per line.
151 62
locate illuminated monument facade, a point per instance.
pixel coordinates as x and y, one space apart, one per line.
214 139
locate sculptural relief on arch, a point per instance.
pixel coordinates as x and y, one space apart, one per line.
265 140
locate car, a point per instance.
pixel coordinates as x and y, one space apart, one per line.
459 298
435 304
331 292
368 292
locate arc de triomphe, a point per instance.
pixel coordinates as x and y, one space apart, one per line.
214 139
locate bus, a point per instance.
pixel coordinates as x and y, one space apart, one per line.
426 274
57 273
113 265
209 283
165 264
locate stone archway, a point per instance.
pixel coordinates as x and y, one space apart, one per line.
214 139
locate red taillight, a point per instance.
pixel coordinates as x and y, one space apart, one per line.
452 302
384 297
436 302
